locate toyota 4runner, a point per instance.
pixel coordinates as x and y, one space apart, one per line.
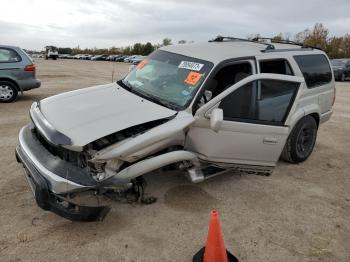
229 104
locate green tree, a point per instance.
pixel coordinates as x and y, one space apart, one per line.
166 41
147 48
137 49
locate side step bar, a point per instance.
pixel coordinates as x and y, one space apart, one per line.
197 174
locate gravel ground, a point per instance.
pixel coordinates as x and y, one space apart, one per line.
299 213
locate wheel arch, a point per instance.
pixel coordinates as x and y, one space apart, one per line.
11 81
316 116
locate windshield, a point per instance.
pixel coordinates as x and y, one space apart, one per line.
339 62
167 78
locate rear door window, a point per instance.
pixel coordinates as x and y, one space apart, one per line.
8 55
315 68
276 66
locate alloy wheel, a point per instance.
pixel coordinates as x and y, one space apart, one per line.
6 92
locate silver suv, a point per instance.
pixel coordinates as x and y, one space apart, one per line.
17 73
229 104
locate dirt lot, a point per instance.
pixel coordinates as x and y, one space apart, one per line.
299 213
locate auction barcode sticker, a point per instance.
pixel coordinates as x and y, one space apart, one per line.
191 65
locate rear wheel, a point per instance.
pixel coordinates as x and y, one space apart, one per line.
8 92
301 141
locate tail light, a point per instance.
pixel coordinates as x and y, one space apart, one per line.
30 68
334 97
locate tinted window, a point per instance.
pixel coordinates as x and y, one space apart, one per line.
9 56
315 68
279 66
266 101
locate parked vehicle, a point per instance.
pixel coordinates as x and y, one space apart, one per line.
341 69
137 60
17 73
51 52
120 58
99 57
229 104
63 56
129 58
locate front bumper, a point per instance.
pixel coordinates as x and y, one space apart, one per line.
48 188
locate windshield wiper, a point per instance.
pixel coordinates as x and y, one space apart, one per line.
168 104
125 84
157 100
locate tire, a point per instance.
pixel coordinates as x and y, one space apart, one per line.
8 92
342 77
301 141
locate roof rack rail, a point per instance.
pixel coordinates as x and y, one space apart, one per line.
302 45
259 40
230 38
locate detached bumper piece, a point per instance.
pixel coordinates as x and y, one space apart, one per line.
57 204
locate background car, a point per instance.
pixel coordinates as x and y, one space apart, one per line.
341 69
137 60
120 58
17 73
99 57
128 59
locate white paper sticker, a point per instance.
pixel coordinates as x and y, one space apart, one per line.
191 65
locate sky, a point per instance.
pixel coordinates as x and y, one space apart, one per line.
106 23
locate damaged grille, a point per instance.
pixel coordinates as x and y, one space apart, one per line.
77 158
80 159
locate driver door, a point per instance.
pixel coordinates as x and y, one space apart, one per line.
248 123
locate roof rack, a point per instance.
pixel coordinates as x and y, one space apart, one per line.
259 40
230 38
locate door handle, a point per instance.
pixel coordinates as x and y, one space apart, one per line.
270 140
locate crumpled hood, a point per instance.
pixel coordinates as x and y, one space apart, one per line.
88 114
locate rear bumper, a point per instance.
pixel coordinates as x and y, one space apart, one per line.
48 188
29 84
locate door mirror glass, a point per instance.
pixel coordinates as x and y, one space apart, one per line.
208 95
216 118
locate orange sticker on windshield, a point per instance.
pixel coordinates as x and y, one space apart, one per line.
193 78
142 64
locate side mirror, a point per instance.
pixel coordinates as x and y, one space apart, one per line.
216 118
208 94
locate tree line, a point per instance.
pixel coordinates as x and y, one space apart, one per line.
318 36
136 49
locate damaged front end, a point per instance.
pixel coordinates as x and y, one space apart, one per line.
57 171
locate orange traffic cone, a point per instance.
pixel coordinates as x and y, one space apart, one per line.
215 250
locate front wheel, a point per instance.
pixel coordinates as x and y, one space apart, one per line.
301 141
8 92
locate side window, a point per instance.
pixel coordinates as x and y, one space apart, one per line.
277 66
261 101
315 68
9 56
